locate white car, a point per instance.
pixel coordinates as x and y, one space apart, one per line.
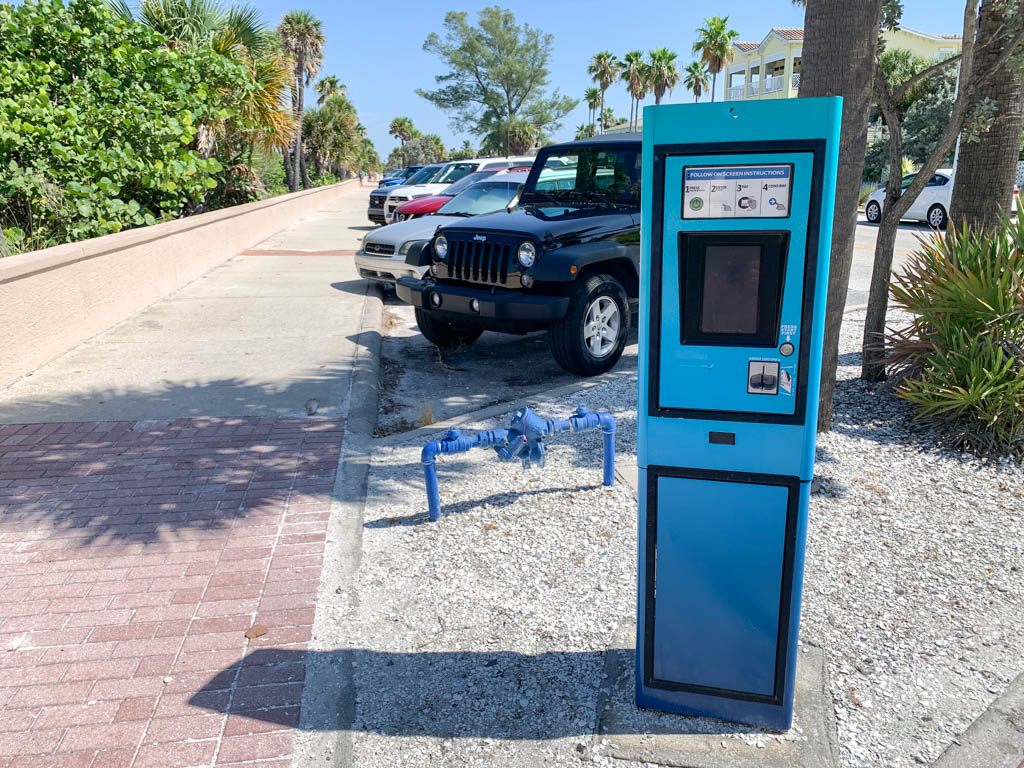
931 206
444 178
393 251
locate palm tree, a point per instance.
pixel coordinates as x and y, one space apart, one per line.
593 98
664 76
240 34
695 78
327 87
303 39
402 129
608 119
714 44
604 68
634 73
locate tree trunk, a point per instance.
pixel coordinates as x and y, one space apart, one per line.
306 184
986 169
287 158
600 119
896 205
298 125
714 79
839 60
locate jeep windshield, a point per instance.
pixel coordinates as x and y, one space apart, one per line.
585 175
482 197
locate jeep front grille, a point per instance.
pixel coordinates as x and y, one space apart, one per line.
479 262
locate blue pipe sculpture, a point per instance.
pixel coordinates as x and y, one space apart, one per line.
523 440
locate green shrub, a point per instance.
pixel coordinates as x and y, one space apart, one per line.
100 123
962 356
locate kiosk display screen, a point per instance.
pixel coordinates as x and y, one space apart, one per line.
732 279
731 287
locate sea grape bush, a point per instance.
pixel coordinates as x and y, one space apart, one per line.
101 123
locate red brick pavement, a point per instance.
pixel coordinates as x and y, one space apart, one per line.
134 556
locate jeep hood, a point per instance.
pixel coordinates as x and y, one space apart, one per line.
563 225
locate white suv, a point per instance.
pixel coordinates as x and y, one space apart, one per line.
448 175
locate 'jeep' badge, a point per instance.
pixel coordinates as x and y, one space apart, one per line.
481 238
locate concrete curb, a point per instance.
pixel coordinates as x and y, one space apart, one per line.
324 736
994 740
424 433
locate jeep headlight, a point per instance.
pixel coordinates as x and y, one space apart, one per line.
441 247
527 255
408 246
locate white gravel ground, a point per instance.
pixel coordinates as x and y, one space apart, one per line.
481 638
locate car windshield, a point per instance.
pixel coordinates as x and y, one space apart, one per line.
600 175
405 174
483 197
424 175
467 181
456 171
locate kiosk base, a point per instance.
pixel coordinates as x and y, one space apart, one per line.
720 578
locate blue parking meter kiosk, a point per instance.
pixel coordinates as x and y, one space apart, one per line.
737 229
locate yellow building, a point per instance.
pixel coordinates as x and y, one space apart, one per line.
771 69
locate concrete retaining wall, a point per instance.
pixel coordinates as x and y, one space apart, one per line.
53 299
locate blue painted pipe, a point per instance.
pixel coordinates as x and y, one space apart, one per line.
524 440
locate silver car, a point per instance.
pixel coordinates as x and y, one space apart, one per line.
395 250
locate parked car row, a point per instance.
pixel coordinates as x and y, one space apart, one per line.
393 251
429 180
556 248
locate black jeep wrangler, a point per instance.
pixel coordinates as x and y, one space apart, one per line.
566 259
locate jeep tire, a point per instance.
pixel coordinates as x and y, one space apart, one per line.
590 338
443 334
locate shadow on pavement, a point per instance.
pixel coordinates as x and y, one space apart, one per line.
496 501
357 287
137 480
443 694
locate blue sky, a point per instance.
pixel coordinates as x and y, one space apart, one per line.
376 46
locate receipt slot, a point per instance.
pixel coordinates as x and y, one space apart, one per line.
737 225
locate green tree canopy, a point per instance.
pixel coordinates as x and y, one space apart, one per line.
465 152
923 124
497 76
99 120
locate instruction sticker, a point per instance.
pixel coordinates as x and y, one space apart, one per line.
737 191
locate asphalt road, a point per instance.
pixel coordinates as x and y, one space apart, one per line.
864 256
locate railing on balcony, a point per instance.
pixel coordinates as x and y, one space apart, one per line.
772 84
735 92
796 81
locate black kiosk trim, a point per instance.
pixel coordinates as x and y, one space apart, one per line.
816 147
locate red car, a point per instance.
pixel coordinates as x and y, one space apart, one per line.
424 206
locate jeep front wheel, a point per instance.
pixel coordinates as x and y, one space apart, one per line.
443 334
590 338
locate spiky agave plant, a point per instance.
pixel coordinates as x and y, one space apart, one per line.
961 358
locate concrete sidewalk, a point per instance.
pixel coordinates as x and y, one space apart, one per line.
165 495
266 333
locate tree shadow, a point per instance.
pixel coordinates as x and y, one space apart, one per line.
97 467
